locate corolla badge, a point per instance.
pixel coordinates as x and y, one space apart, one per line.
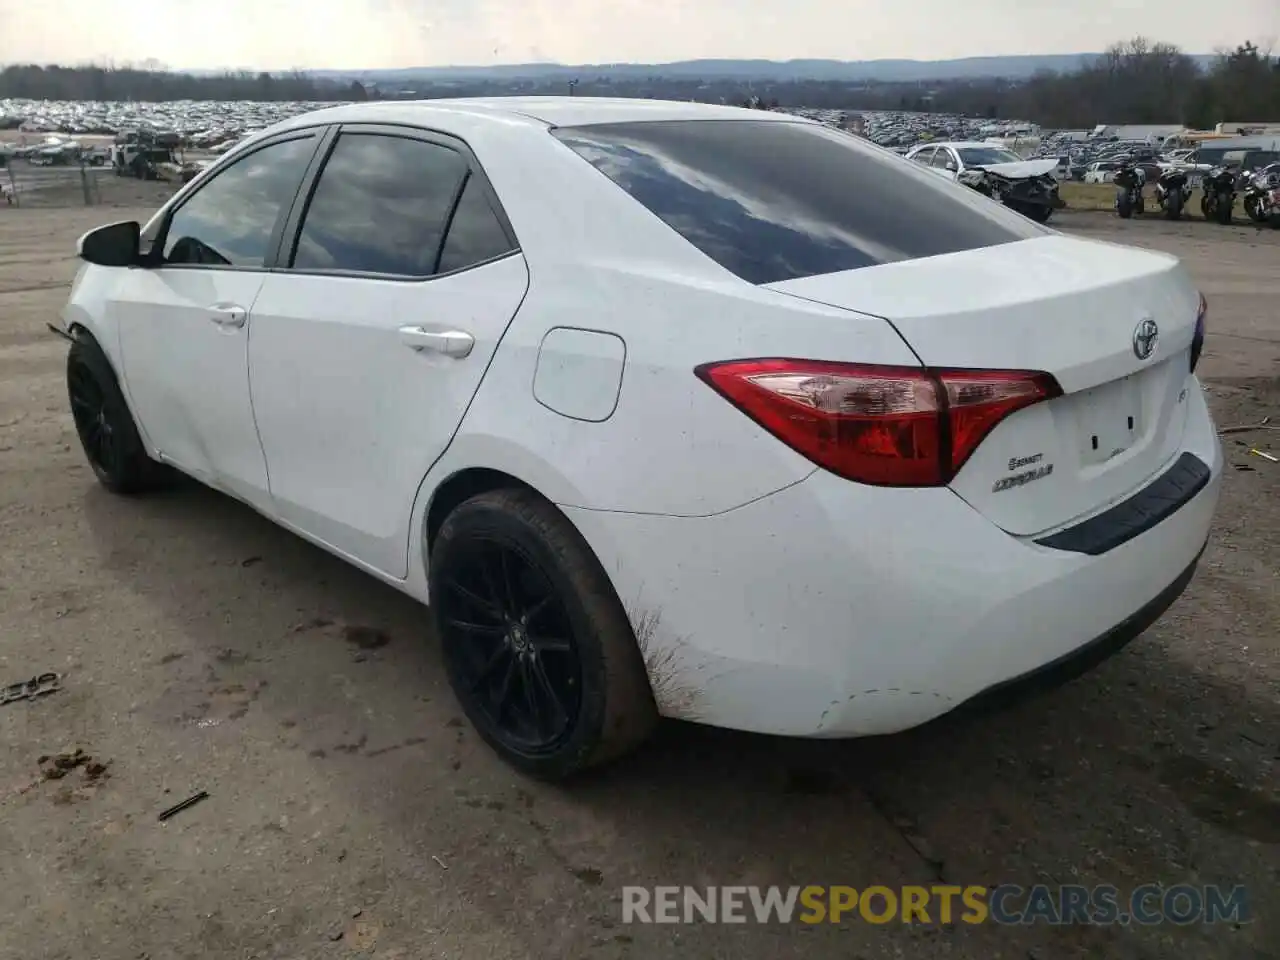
1145 337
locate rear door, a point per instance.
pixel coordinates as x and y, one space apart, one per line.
401 277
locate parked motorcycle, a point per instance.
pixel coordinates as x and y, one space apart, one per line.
1261 196
1173 190
1129 180
1219 194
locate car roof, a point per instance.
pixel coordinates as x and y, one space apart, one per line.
541 111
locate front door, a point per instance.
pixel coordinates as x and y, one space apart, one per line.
185 319
367 351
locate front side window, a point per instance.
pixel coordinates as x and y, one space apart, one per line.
925 156
773 200
381 206
231 219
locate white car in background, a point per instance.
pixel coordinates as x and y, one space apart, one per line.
1101 171
953 158
1028 186
660 415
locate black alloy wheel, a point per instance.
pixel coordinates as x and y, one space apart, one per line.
519 662
538 649
104 424
93 423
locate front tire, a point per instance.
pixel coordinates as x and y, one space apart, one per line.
1124 207
1173 210
108 435
1040 213
536 644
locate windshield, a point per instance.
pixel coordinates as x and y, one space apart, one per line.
981 156
776 200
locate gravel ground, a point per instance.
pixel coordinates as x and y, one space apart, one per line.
351 811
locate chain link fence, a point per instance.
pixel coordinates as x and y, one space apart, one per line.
24 184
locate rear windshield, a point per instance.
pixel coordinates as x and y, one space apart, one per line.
775 200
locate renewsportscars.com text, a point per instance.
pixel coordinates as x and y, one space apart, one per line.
1068 904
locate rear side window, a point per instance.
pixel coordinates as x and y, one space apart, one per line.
380 206
774 200
475 233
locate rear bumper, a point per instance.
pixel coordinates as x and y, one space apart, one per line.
830 609
1081 661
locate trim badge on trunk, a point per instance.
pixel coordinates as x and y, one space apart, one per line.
1145 337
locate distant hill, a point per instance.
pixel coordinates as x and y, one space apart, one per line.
889 71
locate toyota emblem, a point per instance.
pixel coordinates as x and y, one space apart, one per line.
1145 337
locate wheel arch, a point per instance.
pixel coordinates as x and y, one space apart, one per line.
461 486
81 330
472 464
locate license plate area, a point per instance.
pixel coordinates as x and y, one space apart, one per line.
1109 420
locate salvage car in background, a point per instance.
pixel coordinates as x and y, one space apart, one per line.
1027 186
660 415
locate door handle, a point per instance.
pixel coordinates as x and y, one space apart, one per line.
228 315
451 343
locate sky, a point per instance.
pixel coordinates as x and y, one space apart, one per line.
353 34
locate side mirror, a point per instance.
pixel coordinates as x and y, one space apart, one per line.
951 166
115 245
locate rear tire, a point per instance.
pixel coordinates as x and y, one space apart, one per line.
1224 212
104 424
1037 212
536 644
1173 209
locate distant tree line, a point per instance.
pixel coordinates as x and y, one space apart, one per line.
34 82
1133 82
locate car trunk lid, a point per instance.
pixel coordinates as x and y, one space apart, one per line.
1079 310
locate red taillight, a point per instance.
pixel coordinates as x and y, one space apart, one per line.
1197 340
888 426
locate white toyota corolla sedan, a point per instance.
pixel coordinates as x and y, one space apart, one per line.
669 409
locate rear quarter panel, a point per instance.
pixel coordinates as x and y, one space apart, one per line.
673 445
